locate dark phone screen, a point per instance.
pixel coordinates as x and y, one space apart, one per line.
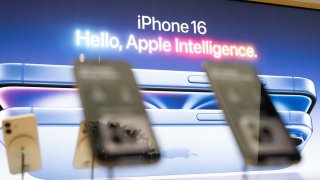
254 120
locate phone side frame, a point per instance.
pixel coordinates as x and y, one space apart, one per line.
45 75
299 123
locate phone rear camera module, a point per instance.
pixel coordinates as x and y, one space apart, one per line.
7 124
8 131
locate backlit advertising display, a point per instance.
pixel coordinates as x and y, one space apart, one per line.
167 43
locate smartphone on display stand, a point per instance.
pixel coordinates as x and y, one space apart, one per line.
255 123
118 124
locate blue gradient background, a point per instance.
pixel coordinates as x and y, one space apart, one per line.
287 39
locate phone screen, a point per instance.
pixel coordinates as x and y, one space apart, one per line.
119 127
254 120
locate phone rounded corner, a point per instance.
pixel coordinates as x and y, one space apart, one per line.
11 73
304 85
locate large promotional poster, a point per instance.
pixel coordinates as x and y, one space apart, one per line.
167 43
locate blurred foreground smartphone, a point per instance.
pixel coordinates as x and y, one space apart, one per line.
22 143
257 127
117 120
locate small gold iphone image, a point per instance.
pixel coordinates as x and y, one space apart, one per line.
22 143
84 157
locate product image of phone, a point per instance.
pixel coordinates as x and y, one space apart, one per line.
21 96
252 117
22 143
299 93
118 124
84 157
191 94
